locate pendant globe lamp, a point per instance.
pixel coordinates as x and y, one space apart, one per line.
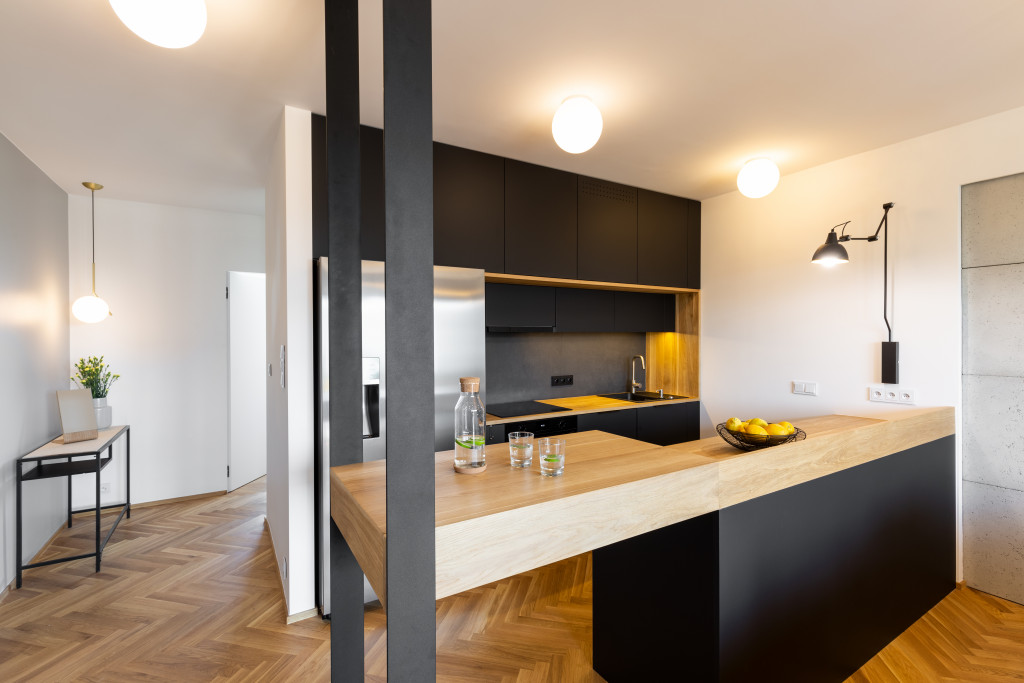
91 308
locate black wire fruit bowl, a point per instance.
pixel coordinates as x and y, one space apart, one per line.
753 442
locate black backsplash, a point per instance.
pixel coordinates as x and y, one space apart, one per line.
520 365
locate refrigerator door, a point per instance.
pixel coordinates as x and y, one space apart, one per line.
459 351
374 443
459 344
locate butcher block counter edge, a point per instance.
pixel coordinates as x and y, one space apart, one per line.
506 521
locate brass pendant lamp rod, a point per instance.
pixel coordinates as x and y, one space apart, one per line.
92 189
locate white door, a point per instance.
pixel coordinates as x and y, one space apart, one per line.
247 386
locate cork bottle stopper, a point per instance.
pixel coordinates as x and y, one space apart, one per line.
469 383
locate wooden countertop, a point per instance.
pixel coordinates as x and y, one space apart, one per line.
580 405
506 521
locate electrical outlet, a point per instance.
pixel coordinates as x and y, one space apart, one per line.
892 393
805 388
561 380
104 488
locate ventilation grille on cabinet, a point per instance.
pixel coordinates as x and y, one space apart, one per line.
613 191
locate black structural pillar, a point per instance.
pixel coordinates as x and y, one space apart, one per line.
345 324
409 331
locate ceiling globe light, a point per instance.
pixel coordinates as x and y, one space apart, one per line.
90 308
577 124
167 23
758 178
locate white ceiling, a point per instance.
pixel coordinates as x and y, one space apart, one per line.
689 89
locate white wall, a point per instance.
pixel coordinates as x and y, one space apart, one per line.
33 344
162 271
769 316
289 248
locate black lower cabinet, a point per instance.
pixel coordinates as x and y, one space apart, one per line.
669 424
618 422
805 584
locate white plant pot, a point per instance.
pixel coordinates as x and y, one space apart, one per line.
104 413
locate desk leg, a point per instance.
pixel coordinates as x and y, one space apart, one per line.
17 542
69 495
128 469
98 549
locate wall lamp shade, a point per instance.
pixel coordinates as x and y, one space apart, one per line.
831 253
577 124
758 178
166 23
91 308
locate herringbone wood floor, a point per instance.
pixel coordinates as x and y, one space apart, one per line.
189 592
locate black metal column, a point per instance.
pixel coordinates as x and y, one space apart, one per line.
345 324
409 329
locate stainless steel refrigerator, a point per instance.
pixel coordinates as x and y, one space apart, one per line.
458 352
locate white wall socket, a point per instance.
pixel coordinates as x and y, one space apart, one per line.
104 488
805 388
892 393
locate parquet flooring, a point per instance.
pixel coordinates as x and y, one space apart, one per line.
189 592
969 636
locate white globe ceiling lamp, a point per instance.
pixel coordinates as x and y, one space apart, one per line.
91 308
167 23
758 178
577 124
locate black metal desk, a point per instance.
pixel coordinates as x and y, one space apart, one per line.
56 459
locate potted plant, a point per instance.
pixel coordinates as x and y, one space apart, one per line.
95 375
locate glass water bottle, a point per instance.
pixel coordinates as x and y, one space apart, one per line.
469 428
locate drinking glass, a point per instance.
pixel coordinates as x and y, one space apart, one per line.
552 456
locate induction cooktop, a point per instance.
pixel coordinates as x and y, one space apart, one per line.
518 408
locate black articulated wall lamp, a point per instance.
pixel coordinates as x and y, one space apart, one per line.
833 252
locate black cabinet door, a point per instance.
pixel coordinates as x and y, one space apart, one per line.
693 244
667 425
637 312
664 239
469 209
607 231
618 422
509 308
540 221
371 200
584 310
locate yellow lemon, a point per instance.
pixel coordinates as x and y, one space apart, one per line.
787 426
755 429
776 430
758 421
734 424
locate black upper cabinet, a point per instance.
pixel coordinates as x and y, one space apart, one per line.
693 244
667 425
540 221
618 422
607 221
371 202
518 308
636 312
469 209
664 237
584 310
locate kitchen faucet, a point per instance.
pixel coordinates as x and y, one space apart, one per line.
633 384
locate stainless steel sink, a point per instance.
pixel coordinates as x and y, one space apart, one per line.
640 396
